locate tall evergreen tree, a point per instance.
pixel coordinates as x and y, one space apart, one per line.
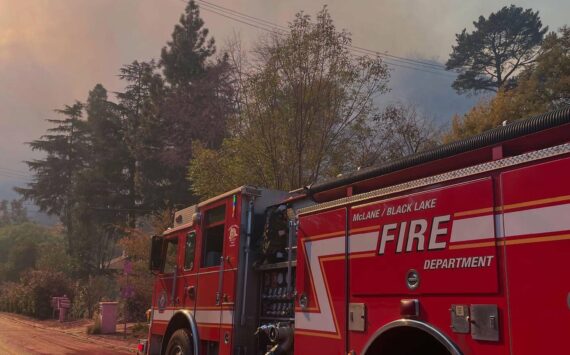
101 196
197 103
140 105
488 58
184 58
66 148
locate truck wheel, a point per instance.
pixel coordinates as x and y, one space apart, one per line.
180 343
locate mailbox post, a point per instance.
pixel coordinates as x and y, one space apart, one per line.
61 305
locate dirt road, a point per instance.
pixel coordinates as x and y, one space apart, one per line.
18 337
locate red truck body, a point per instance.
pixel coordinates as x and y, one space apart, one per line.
467 253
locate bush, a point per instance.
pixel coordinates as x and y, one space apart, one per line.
89 293
95 328
140 330
32 295
137 247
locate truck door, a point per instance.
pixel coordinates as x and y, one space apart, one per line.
536 222
165 299
216 275
229 276
189 278
208 305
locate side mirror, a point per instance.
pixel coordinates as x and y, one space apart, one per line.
156 254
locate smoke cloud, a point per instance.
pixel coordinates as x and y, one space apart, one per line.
53 52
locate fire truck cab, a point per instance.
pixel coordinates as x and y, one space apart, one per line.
464 249
209 275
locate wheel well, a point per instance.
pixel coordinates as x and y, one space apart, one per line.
178 321
409 337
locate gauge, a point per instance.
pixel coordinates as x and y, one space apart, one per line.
280 278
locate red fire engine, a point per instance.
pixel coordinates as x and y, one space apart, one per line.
464 249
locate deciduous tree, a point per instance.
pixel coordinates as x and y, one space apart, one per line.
303 98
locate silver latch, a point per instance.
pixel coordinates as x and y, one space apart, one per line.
357 317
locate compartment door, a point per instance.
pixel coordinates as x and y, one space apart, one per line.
321 283
536 218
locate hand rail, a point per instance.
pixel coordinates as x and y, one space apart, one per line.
220 282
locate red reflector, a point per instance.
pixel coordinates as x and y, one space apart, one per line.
410 308
140 347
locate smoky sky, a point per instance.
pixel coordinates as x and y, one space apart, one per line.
52 52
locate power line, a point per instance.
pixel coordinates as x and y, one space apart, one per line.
419 62
245 22
268 26
207 3
13 170
13 173
13 176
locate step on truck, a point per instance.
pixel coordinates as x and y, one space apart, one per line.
463 249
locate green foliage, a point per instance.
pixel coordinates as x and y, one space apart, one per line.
137 247
32 295
90 292
491 56
109 163
184 58
22 247
55 177
197 102
541 87
405 131
301 105
140 104
12 212
94 328
140 330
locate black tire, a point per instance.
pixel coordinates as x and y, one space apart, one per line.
180 343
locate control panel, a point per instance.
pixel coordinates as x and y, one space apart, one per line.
277 302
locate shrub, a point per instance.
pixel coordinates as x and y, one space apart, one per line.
89 293
32 295
95 328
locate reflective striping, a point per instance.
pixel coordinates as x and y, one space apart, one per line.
162 316
532 240
550 238
537 220
499 232
227 317
358 243
511 226
473 228
323 320
543 201
472 212
214 317
472 245
317 251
